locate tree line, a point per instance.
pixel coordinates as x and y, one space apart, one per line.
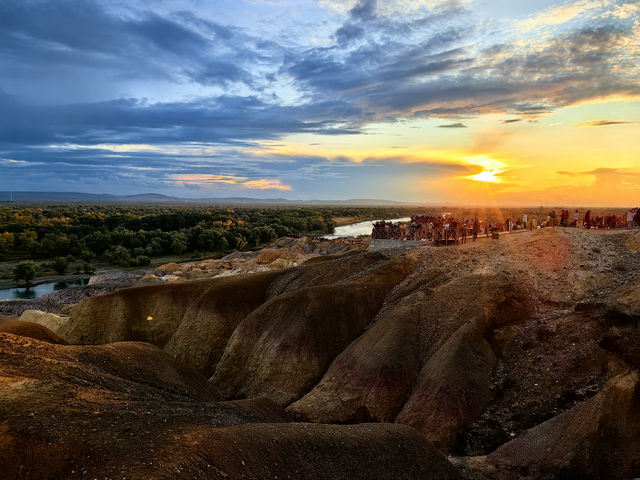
127 236
130 236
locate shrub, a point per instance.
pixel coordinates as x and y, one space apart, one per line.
60 265
25 271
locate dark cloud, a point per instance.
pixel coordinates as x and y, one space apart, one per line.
234 120
348 33
511 120
453 125
387 77
67 67
86 40
604 123
364 11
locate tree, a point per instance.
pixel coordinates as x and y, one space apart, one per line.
179 243
6 242
142 260
26 271
60 265
27 239
120 256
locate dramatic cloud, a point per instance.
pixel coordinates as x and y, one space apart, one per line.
184 94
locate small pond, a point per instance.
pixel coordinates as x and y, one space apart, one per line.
41 289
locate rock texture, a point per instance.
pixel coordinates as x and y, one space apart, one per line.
192 321
129 410
597 439
283 348
51 321
30 330
471 345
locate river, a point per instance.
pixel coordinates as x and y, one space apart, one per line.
39 290
360 228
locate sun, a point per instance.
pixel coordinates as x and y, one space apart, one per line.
486 176
491 169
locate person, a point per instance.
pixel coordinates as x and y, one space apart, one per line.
587 219
464 232
524 221
630 219
576 217
476 229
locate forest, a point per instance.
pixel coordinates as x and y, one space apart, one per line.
129 236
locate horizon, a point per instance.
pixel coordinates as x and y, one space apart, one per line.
425 102
186 201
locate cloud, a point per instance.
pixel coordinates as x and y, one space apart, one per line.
221 171
560 14
511 120
604 123
603 171
266 184
76 42
85 85
381 68
201 178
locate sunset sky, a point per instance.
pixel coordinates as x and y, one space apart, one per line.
485 101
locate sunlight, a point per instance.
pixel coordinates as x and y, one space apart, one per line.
486 176
491 169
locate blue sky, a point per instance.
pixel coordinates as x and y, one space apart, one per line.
421 100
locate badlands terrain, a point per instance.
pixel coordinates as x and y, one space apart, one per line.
507 359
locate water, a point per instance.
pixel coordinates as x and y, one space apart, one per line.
361 228
39 290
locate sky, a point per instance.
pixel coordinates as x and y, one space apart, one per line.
431 101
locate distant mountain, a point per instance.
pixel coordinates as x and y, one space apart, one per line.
154 198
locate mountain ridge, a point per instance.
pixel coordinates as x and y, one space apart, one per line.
80 197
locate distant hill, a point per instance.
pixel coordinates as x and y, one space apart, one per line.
76 197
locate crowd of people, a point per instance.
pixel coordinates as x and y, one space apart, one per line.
444 228
574 219
431 228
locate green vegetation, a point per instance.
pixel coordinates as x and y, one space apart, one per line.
129 236
60 265
26 271
75 238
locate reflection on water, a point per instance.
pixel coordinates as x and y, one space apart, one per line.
361 228
39 290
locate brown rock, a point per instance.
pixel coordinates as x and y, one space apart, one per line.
596 439
282 349
191 320
30 330
130 410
